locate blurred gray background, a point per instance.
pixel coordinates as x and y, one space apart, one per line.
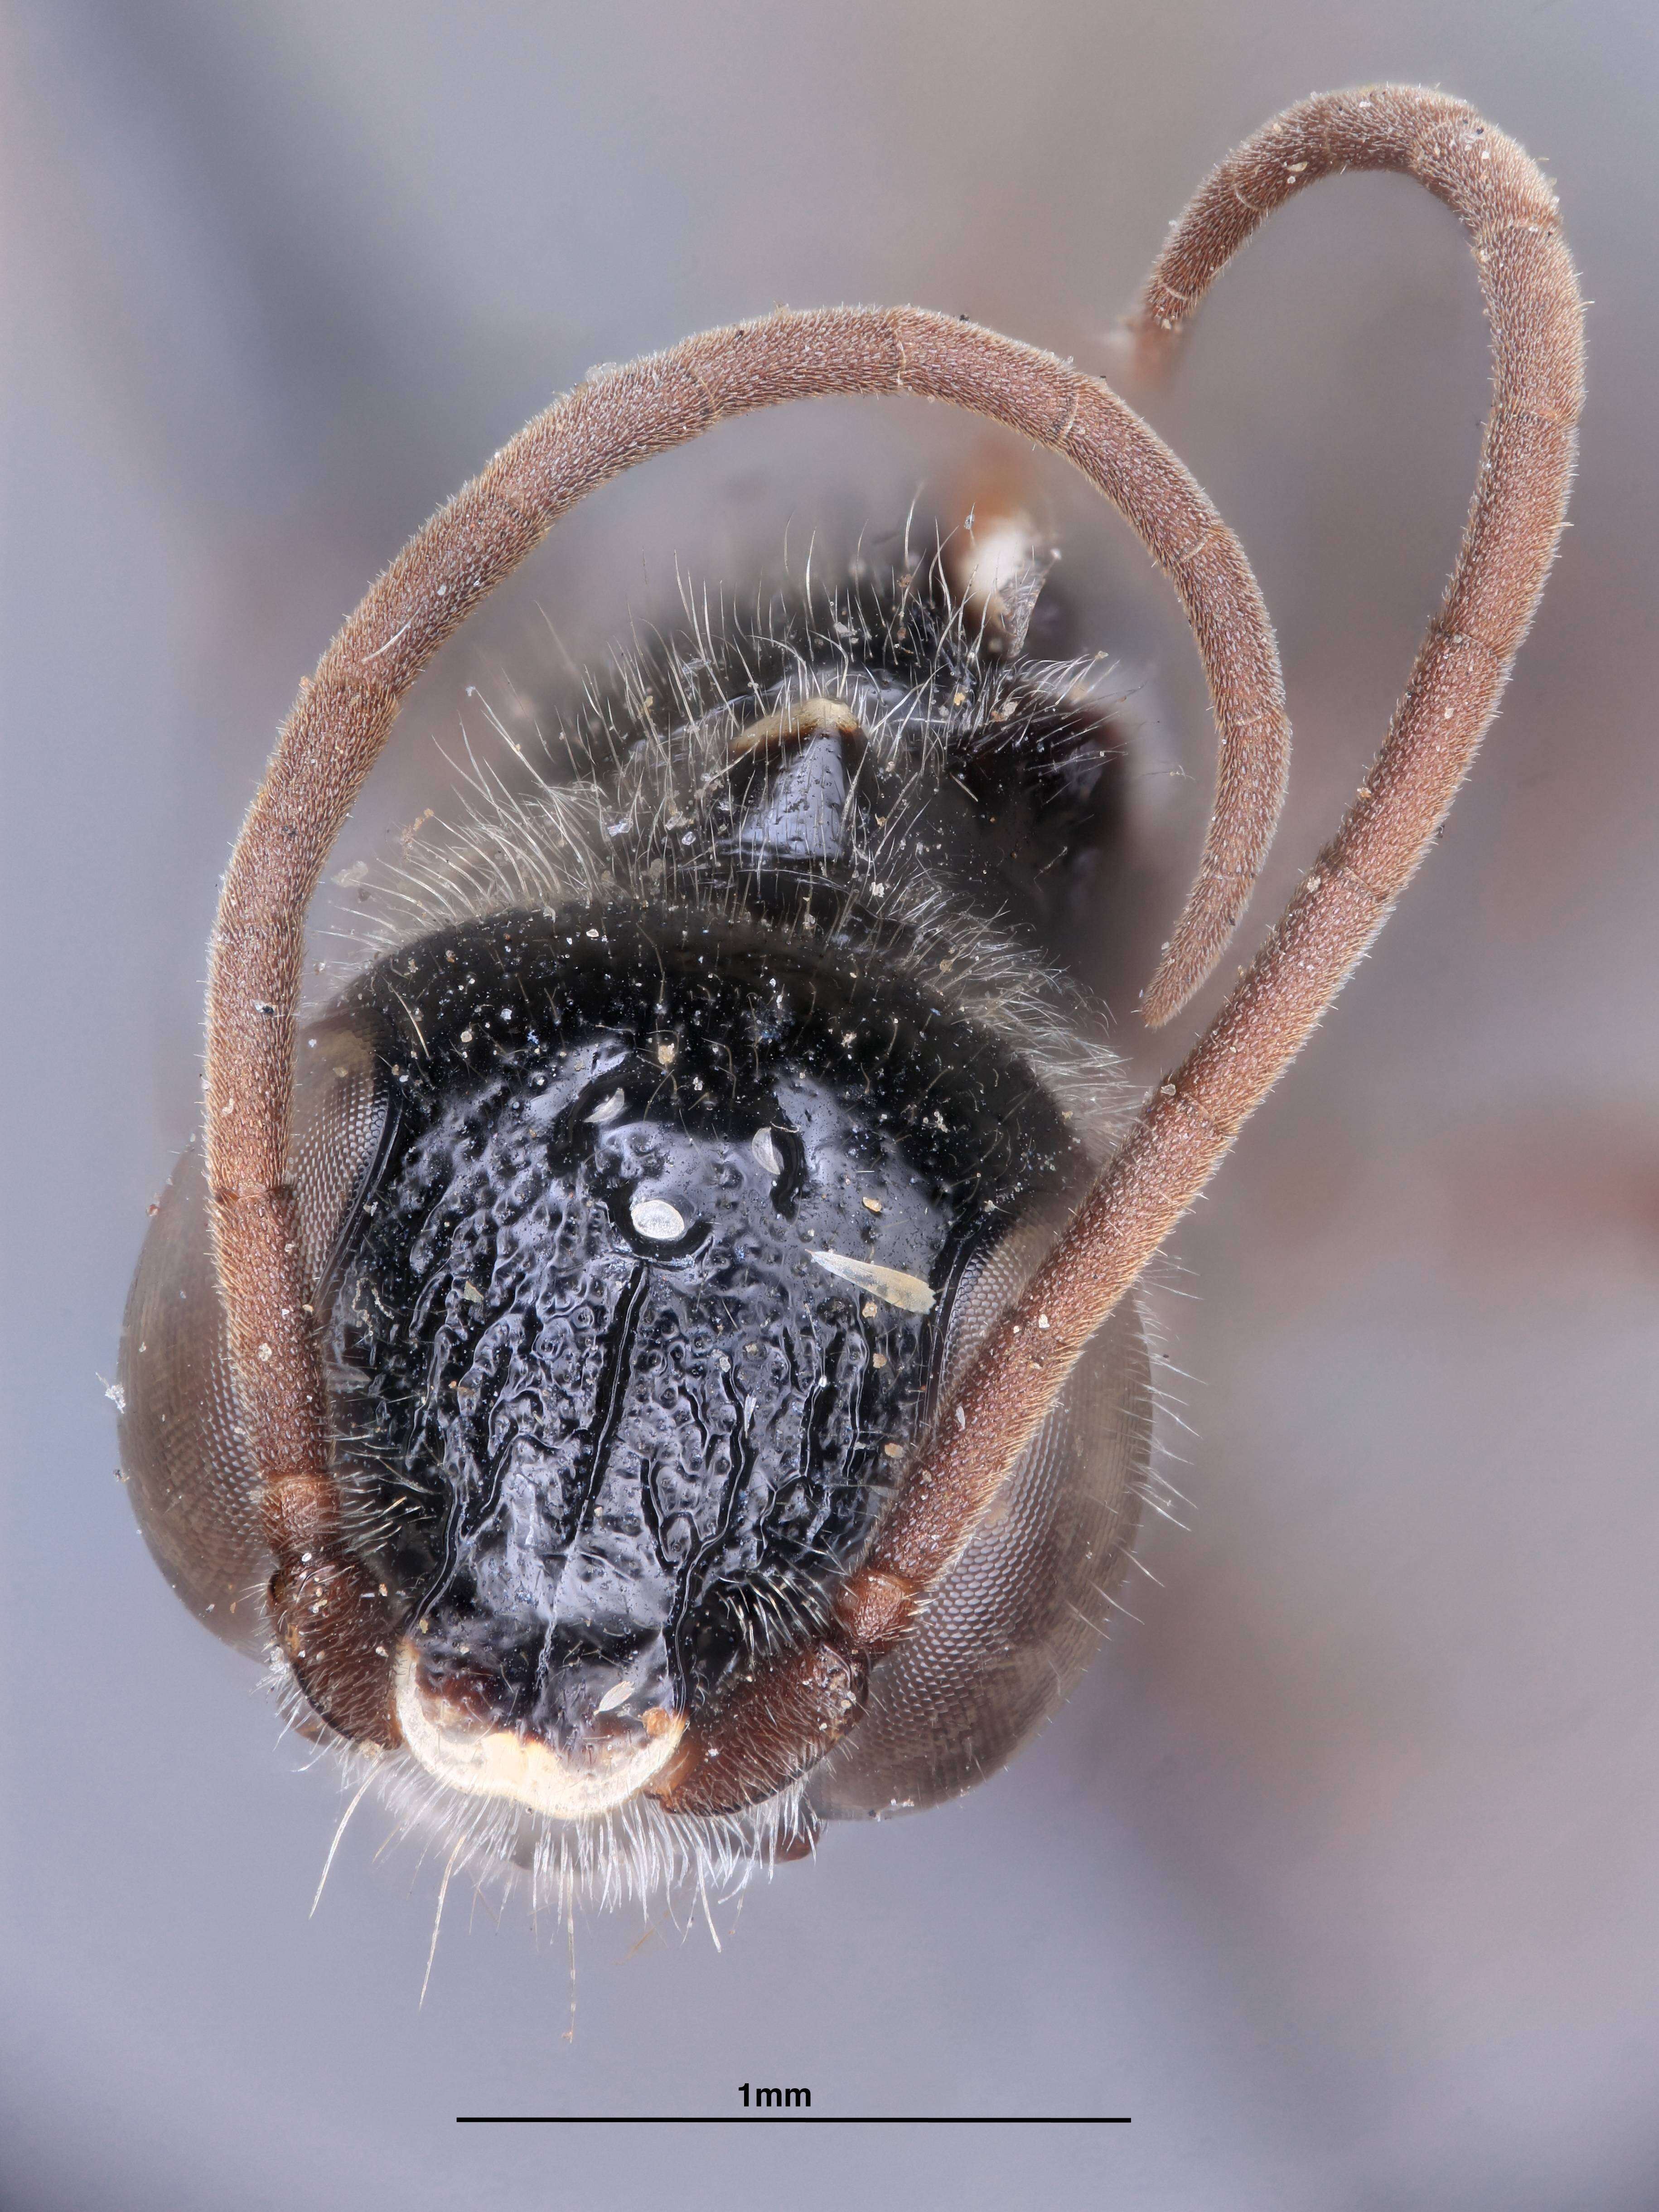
1342 1872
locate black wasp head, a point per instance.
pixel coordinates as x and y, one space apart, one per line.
652 1187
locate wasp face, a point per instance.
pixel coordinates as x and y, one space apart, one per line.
639 1318
652 1185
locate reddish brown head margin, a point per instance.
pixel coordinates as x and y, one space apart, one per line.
328 1615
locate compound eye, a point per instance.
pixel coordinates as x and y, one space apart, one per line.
1011 1629
183 1453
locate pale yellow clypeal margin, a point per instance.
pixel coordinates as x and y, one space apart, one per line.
483 1762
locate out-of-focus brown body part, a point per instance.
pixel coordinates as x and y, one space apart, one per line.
329 1616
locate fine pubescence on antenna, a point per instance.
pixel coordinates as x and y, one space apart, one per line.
327 1612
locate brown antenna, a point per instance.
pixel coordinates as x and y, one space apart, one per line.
326 1611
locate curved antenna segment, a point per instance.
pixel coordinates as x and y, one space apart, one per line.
1514 521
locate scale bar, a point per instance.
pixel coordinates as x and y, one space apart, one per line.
792 2119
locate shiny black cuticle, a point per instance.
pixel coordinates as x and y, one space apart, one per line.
575 1446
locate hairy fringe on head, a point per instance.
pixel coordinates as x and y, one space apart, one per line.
627 798
637 1855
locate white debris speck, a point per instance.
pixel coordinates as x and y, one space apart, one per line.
113 1392
872 1206
907 1293
473 1295
607 1110
961 1419
617 1694
665 1055
764 1146
265 1354
656 1219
